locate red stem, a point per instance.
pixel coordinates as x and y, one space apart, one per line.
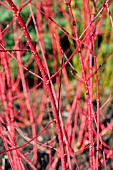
45 79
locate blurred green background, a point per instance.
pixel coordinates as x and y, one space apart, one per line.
103 41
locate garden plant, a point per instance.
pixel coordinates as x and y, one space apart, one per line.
56 87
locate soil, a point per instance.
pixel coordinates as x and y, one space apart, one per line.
43 154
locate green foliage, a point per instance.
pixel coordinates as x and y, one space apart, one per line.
9 39
5 16
103 46
14 67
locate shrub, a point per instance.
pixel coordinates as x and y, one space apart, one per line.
55 81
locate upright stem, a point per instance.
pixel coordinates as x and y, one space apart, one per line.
45 80
88 97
